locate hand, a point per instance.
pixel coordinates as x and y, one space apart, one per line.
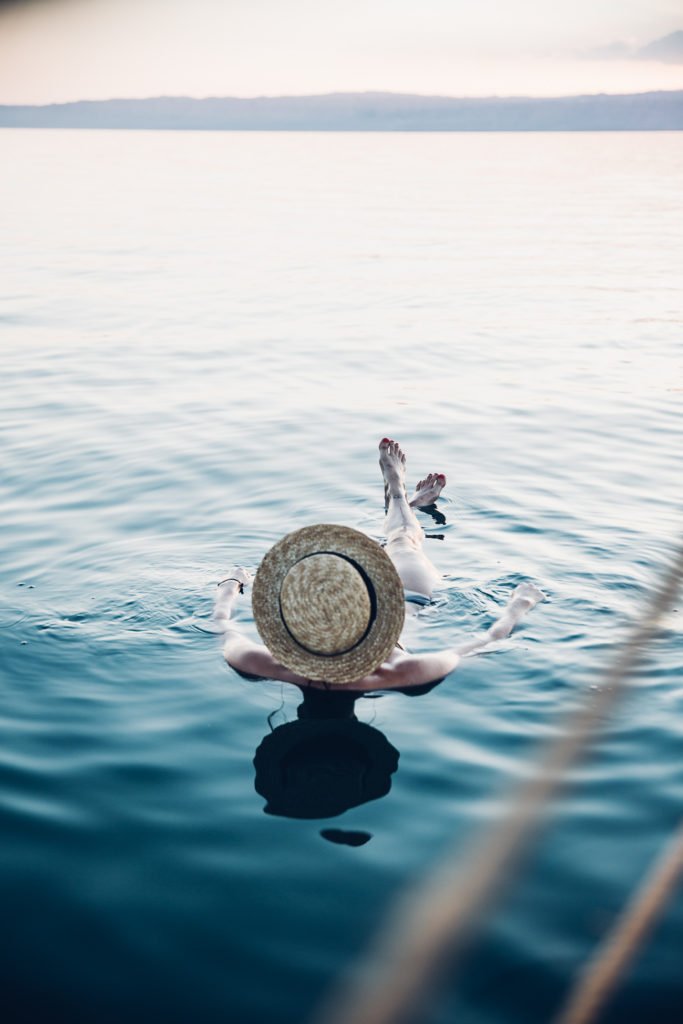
241 574
529 593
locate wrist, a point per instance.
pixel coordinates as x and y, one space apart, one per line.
231 583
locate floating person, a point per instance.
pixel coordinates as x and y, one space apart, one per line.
329 602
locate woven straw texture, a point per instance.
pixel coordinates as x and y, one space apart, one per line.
328 603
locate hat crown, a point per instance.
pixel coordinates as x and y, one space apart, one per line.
328 603
325 603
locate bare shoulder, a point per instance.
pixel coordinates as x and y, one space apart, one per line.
403 670
400 671
256 660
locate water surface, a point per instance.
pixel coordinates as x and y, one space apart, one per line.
203 338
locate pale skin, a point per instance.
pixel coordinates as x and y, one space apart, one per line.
404 546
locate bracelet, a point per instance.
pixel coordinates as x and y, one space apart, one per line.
233 579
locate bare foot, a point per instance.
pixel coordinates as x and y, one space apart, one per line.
392 462
428 490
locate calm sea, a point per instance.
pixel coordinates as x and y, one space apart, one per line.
203 337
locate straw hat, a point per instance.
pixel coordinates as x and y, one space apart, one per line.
328 603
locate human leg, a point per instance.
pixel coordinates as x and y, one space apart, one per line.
404 534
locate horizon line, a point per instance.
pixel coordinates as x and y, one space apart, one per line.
344 92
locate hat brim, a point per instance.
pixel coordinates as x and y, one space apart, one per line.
387 600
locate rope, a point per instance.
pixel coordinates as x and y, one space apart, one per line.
613 957
431 925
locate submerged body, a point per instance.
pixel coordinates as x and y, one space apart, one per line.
404 546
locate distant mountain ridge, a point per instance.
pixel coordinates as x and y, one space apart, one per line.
367 111
668 49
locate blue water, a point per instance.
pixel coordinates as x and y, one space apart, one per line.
203 338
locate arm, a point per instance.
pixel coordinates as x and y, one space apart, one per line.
524 597
410 670
241 654
226 594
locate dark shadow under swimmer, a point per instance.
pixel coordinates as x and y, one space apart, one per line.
327 761
324 763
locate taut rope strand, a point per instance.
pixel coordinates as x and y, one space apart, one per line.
612 958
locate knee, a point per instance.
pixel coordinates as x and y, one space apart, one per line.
405 538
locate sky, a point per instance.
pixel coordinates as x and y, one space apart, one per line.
60 50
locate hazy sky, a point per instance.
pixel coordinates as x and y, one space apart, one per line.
54 50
